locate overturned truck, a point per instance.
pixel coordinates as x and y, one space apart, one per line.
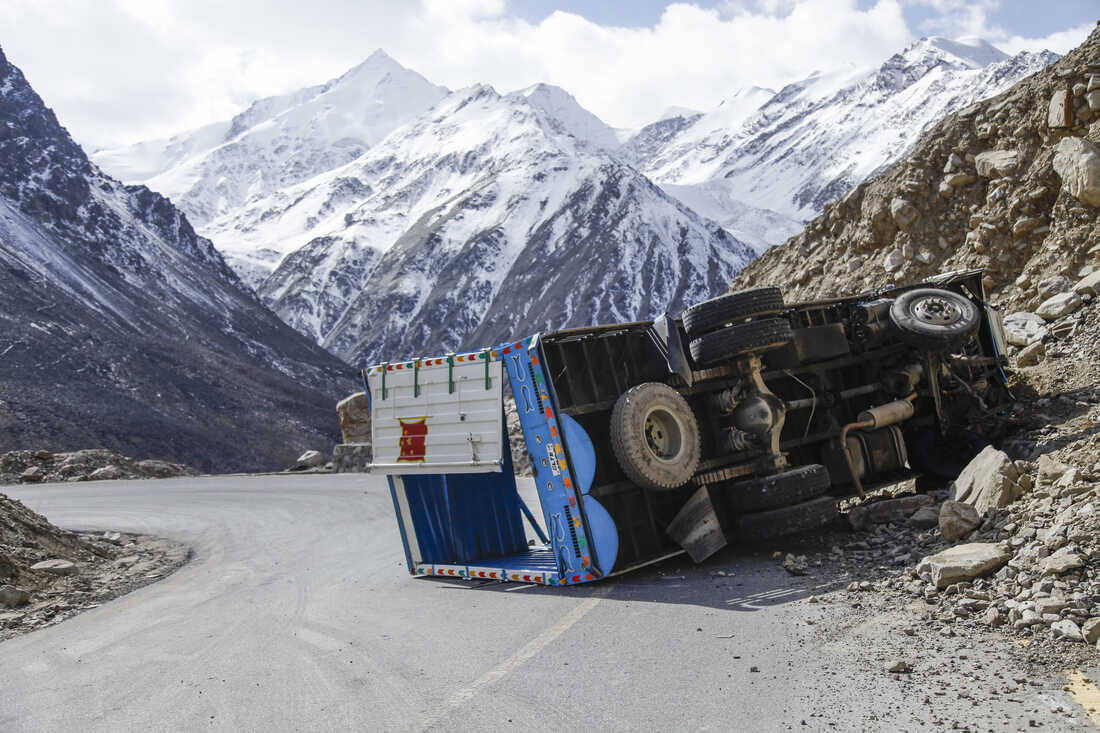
743 420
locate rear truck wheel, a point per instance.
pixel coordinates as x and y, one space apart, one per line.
655 436
754 337
763 526
730 308
778 490
931 318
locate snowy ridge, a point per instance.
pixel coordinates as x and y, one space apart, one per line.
815 139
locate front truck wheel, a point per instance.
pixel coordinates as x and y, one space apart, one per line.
655 436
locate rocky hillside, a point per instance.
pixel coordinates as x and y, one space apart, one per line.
120 328
1011 184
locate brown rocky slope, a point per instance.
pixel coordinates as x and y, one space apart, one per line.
1011 184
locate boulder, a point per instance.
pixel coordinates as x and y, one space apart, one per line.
309 459
10 596
1066 629
354 415
903 212
925 518
1093 100
1059 306
1031 355
107 473
962 562
163 469
957 520
1023 329
889 510
1077 162
1060 110
1051 286
55 567
33 474
1062 561
1091 630
990 480
995 163
1089 285
895 260
962 178
351 458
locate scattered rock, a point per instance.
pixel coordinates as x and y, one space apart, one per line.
33 475
352 457
903 212
1060 109
1091 630
1024 329
925 518
1077 162
963 562
990 480
895 260
1066 629
1062 562
309 459
55 567
354 416
1052 286
899 666
10 596
896 510
957 520
1089 285
107 473
1058 306
1031 355
994 163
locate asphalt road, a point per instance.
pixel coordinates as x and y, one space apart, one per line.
297 613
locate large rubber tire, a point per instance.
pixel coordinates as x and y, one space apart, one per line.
726 309
778 490
655 436
747 338
808 515
931 318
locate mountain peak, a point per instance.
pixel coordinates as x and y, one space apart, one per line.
972 51
562 110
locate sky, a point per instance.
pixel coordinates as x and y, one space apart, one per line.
120 71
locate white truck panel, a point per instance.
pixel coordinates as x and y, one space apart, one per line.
421 425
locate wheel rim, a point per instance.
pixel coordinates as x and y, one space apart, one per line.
664 435
936 310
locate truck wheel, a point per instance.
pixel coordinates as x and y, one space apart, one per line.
778 490
747 338
725 309
655 436
932 318
763 526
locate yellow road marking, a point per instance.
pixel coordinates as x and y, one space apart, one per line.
526 652
1084 693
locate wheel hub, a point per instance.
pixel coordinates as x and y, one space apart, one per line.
663 434
937 310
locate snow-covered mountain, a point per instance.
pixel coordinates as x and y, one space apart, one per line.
813 140
490 216
277 142
121 328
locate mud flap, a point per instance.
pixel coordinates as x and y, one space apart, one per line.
601 527
696 527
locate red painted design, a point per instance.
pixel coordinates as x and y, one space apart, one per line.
414 439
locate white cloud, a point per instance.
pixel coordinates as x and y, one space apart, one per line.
122 70
1061 42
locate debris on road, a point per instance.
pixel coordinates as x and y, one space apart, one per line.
26 466
48 574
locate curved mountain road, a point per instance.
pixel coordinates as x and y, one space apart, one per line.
297 613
